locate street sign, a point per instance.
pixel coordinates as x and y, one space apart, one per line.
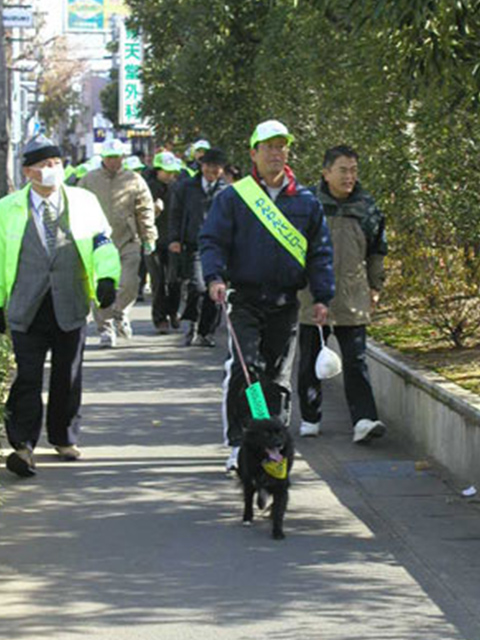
17 16
130 84
85 15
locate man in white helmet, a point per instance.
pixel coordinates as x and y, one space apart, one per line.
265 235
128 205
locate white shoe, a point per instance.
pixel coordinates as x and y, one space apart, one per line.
123 329
309 429
366 429
69 452
108 340
232 462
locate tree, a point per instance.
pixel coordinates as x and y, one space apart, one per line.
61 99
109 99
198 67
397 80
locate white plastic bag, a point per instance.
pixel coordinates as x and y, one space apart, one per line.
327 364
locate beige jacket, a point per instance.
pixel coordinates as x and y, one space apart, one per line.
127 203
359 248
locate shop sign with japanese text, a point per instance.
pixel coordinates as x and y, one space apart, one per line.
130 85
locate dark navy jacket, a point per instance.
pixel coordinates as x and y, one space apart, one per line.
188 209
235 245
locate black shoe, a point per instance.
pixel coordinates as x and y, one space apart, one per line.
204 341
189 332
162 327
175 322
21 463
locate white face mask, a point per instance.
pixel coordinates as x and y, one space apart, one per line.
52 176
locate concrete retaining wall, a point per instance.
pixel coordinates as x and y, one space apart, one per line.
439 418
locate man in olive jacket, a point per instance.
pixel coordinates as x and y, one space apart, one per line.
357 229
128 206
56 256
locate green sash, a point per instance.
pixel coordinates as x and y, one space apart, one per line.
272 218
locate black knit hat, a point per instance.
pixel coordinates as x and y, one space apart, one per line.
39 148
214 156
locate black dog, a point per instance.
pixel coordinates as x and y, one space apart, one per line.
264 463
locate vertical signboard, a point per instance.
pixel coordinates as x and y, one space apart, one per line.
130 85
85 15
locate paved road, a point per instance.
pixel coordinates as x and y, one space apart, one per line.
141 539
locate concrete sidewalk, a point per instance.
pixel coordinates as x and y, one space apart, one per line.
142 539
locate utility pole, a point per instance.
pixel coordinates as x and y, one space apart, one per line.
4 112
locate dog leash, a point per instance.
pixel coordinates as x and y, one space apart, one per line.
237 344
258 406
255 397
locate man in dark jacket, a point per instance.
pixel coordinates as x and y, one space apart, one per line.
357 228
267 236
191 201
161 263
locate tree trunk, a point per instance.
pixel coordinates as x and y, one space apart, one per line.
4 113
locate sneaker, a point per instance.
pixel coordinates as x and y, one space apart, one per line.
123 329
232 462
69 453
162 327
309 429
22 463
108 340
365 429
204 341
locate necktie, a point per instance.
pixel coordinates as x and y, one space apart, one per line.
50 222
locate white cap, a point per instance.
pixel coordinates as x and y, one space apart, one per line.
270 129
133 163
166 160
113 148
201 144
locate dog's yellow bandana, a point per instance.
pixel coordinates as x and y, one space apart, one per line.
276 469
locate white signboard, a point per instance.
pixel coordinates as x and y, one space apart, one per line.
17 17
130 85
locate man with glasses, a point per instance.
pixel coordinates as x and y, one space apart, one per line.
266 234
357 227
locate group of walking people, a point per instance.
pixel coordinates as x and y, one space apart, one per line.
281 258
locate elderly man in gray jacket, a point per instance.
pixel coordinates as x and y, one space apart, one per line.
128 206
357 229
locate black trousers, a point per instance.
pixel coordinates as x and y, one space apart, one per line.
24 408
267 334
358 390
199 306
166 285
